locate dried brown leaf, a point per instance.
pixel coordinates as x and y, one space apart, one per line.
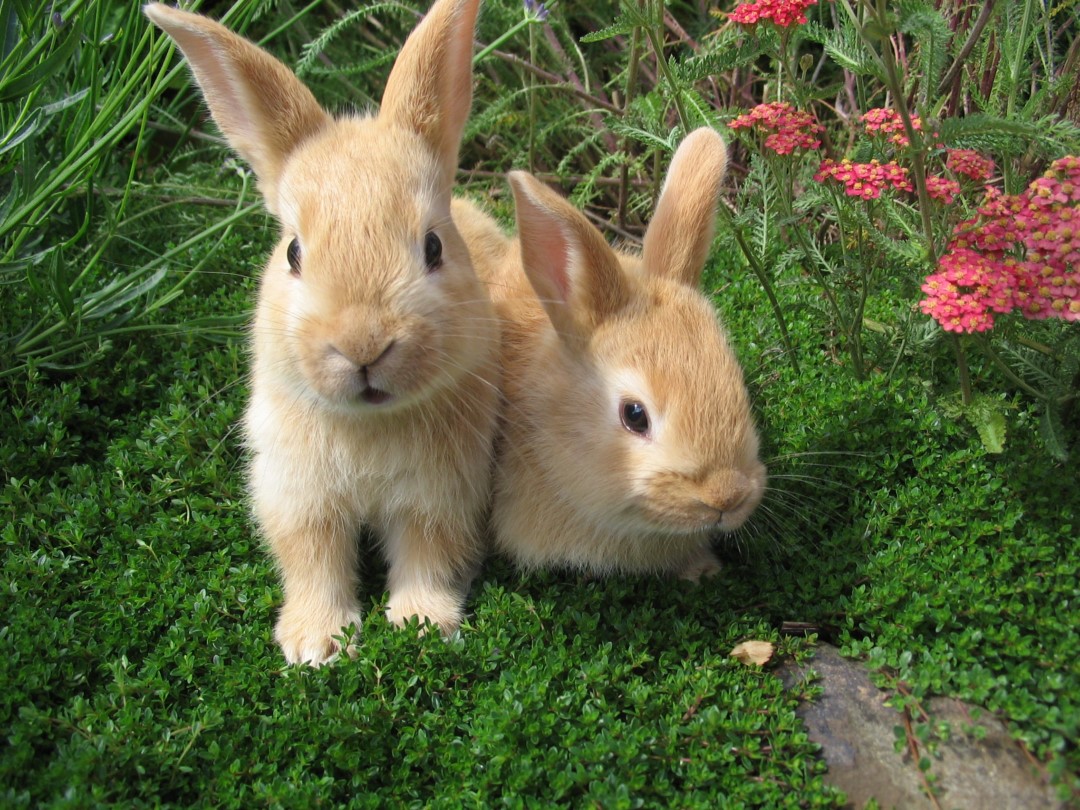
754 652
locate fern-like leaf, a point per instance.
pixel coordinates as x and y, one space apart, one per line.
314 49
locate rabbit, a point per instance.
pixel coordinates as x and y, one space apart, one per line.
627 436
375 376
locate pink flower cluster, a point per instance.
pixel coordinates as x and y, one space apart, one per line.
969 163
966 289
889 123
942 188
782 12
866 180
1020 252
791 129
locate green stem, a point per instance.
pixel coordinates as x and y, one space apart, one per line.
531 100
1011 375
782 66
662 65
918 146
510 32
962 368
901 347
855 327
631 86
809 253
766 285
1019 63
1042 348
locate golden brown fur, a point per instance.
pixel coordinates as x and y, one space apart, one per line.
587 329
374 380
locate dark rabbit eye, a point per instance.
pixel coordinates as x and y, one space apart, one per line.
432 251
293 254
634 417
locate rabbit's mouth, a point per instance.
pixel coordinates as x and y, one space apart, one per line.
374 396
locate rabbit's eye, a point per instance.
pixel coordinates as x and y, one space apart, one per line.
293 254
432 251
634 417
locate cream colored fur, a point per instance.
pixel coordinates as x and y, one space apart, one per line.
374 382
587 328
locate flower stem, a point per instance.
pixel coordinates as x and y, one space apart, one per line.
962 368
498 41
653 33
1003 367
766 284
631 85
918 146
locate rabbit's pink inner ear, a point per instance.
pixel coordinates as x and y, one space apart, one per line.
429 90
263 110
680 234
575 273
545 252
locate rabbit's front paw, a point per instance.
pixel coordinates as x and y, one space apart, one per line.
309 637
702 565
441 608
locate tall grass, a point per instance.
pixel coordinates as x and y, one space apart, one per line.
80 86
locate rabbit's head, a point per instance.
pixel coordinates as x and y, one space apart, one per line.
645 409
369 302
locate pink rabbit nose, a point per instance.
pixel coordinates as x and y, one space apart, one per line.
380 357
729 493
360 359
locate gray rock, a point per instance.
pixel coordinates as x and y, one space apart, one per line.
855 729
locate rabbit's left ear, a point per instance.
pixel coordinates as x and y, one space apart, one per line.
680 234
262 109
574 272
430 86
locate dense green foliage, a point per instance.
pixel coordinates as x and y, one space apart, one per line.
138 665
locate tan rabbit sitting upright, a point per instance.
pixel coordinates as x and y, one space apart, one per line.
628 440
375 348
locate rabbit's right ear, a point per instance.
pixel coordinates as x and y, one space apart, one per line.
263 110
429 90
575 273
681 232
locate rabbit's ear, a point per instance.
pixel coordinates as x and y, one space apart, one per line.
680 234
263 110
575 274
430 87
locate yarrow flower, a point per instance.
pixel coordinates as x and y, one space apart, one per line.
969 163
866 180
967 289
791 129
888 122
781 12
942 188
1020 252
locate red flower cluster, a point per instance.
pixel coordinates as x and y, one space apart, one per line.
866 180
966 289
791 129
889 122
942 188
1020 252
782 12
969 163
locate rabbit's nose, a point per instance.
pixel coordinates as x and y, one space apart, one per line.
363 358
729 491
380 356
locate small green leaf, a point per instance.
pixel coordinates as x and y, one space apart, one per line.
1052 432
988 418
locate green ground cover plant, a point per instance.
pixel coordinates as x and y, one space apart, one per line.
136 645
